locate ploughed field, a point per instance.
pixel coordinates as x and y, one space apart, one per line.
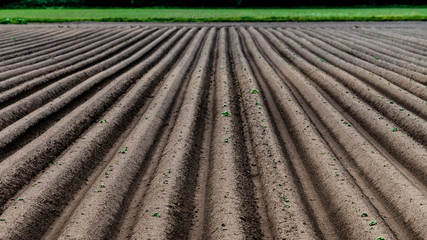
213 131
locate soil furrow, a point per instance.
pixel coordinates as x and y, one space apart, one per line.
395 190
385 61
73 74
14 77
170 196
197 227
213 131
107 68
235 213
322 165
314 209
65 67
18 34
17 39
409 40
149 164
321 159
331 52
136 195
397 52
413 38
393 39
34 157
52 49
411 123
39 45
391 91
271 161
76 159
76 42
409 153
137 143
36 36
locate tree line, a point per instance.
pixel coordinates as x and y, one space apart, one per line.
198 3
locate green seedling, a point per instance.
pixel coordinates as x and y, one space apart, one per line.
124 150
106 173
280 184
155 214
103 121
337 174
14 38
394 129
226 140
21 199
363 214
224 105
102 185
255 91
169 171
391 102
226 114
3 219
373 223
377 58
380 238
288 206
400 109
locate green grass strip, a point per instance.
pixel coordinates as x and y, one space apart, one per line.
213 15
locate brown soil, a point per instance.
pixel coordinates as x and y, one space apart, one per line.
213 131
